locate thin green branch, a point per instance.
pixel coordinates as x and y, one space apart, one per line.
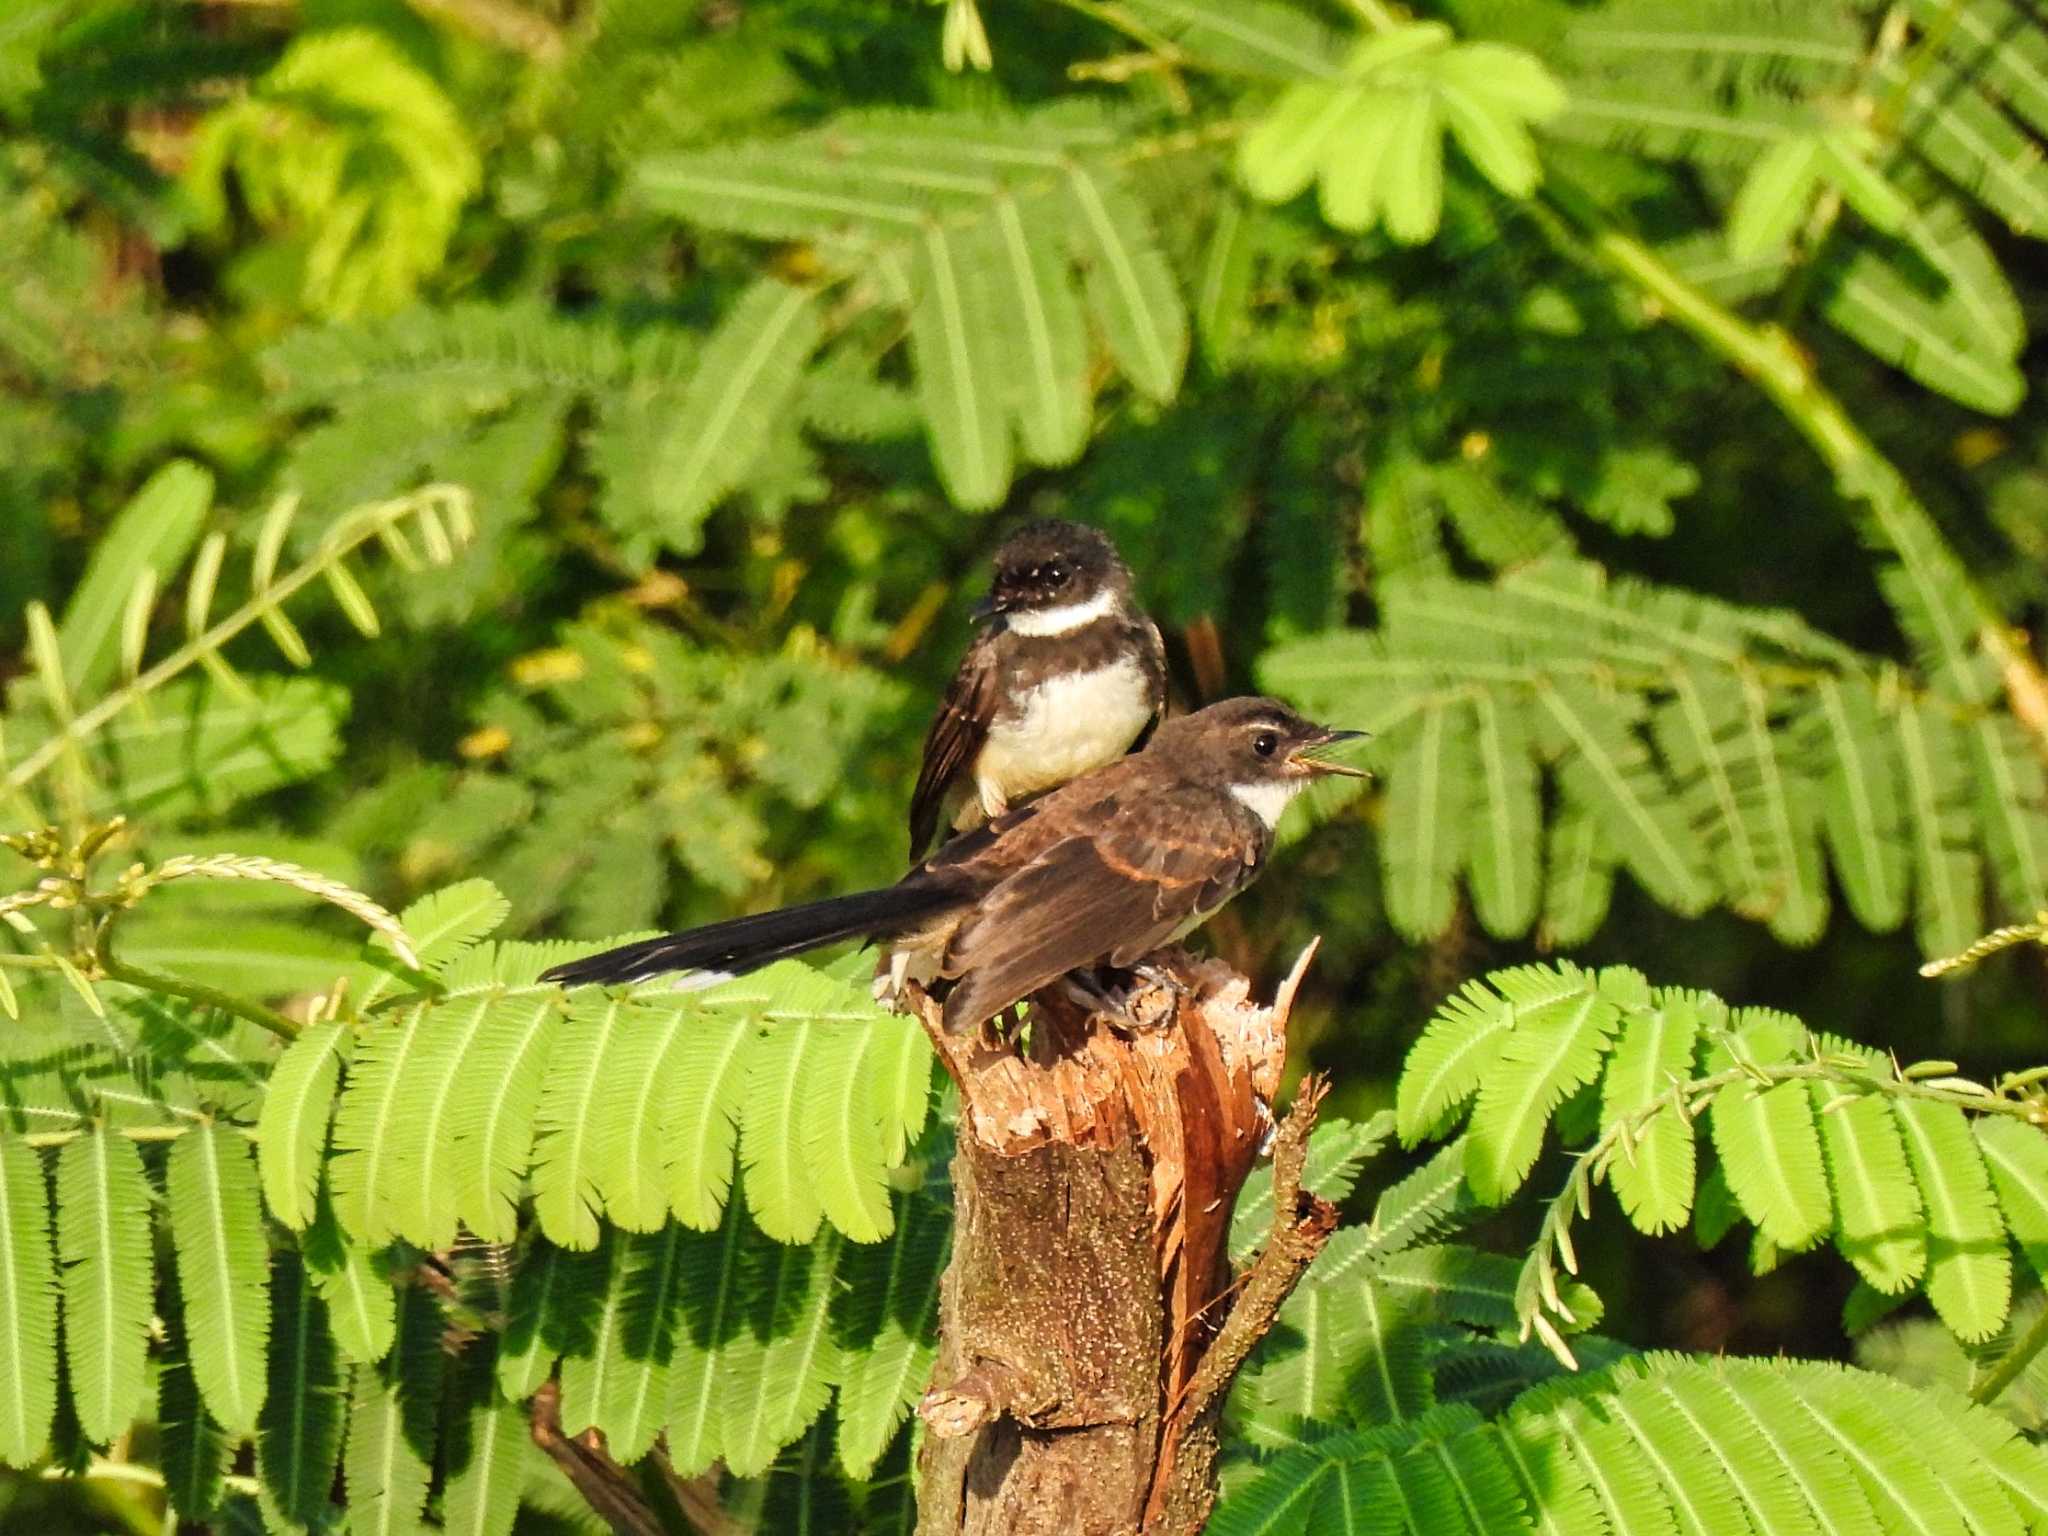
347 537
2016 1360
1862 472
198 992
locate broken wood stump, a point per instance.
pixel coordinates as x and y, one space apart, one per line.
1089 1324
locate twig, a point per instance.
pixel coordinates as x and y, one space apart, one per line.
697 1498
605 1485
1302 1223
2016 1360
198 992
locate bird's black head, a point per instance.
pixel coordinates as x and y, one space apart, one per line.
1259 749
1055 569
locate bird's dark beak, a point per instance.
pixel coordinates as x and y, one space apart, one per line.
1315 756
988 608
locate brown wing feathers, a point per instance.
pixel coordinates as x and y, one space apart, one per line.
956 736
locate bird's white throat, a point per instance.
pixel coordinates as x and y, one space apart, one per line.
1269 797
1063 620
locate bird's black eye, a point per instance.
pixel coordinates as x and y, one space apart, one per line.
1266 743
1055 572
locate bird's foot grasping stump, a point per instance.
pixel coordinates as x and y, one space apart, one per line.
1089 1324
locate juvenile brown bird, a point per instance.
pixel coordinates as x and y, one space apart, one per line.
1105 869
1066 674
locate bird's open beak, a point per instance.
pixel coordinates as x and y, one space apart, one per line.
1315 756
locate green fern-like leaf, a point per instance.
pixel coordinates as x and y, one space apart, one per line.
361 1308
1879 1224
484 1484
566 1146
2017 1157
299 1434
291 1132
779 1370
1969 1278
195 1449
103 1241
385 1474
1559 1032
496 1099
28 1305
995 237
1654 1176
884 1316
216 1218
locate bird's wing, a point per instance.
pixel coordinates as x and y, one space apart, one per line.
954 740
1149 869
1154 665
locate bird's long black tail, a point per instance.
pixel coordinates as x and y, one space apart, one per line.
742 944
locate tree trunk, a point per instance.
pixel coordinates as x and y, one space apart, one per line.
1089 1327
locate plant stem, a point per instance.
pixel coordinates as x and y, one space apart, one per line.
198 992
2016 1360
81 727
1862 472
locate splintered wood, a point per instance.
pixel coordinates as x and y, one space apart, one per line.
1094 1184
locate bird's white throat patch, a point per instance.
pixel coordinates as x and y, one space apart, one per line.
1269 797
1063 620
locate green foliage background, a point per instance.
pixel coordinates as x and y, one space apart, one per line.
557 445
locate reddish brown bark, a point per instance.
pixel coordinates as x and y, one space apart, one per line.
1089 1326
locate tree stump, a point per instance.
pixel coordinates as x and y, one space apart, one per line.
1089 1326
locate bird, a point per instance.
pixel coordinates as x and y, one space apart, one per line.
1103 870
1066 674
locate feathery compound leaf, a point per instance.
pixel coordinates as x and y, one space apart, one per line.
743 384
195 1449
1860 806
1879 1225
554 1296
584 1368
842 1134
385 1474
1653 1178
633 1133
993 232
1505 817
716 1290
1947 870
482 1496
2012 807
375 1101
1580 864
650 1313
361 1308
884 1319
1253 37
149 538
28 1305
1561 1022
1424 831
223 1269
709 1088
1969 1277
1131 290
1607 771
1770 1153
496 1098
418 1141
781 1368
2017 1155
961 372
299 1433
445 924
291 1130
103 1239
781 1192
565 1154
1458 1047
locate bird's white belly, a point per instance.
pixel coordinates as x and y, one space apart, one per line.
1063 728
